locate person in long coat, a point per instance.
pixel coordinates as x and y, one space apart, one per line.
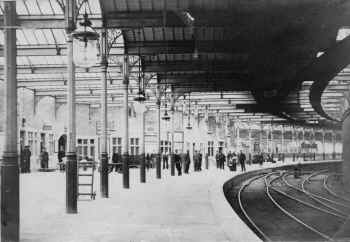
217 159
241 159
44 159
187 161
25 159
200 157
177 160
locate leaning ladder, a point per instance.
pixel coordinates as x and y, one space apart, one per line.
86 172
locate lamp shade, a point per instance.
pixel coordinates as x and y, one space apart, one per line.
85 46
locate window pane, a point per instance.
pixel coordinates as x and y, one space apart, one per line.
137 150
119 141
92 141
85 141
132 141
137 141
79 141
114 141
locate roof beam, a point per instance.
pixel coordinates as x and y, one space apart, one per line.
202 76
127 20
182 46
174 66
48 21
53 50
59 69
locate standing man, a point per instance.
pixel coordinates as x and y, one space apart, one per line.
177 160
44 159
25 166
207 161
195 165
200 157
229 156
222 160
217 158
148 161
165 161
242 158
187 161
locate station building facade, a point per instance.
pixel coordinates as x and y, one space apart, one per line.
42 124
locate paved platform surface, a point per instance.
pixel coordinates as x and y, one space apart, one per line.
187 208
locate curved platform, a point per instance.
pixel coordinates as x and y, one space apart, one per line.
187 208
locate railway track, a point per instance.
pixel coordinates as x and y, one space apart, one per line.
319 193
317 200
331 191
279 211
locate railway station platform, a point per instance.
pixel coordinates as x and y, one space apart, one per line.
186 208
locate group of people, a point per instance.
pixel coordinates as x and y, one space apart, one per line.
182 161
232 159
25 159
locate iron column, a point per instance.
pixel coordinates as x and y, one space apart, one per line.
172 161
71 156
334 140
125 139
143 165
158 162
104 136
9 164
282 140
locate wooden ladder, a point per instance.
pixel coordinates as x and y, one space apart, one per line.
86 172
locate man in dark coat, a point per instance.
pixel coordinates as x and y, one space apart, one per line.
195 161
177 161
241 159
44 159
187 161
222 160
217 159
200 157
25 159
148 161
165 161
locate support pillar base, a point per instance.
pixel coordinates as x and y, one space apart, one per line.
142 169
71 183
104 175
126 176
9 198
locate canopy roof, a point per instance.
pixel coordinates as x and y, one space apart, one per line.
253 59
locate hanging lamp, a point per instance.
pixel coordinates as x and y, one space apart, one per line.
85 44
141 97
166 116
189 112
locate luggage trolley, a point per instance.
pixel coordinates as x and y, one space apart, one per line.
86 171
